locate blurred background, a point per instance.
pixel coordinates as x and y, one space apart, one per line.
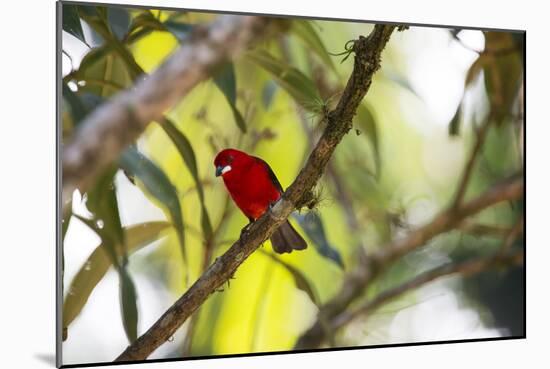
123 240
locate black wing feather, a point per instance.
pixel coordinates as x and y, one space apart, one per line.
272 175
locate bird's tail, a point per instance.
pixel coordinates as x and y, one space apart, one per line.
285 239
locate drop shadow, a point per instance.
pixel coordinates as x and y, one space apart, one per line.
46 358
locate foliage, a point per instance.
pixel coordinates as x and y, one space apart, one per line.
271 102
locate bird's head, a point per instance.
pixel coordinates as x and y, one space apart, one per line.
230 160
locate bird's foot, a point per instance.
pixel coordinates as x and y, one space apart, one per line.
245 229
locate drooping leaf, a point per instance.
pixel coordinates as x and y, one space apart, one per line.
99 262
102 202
474 70
65 224
87 10
71 22
312 224
119 21
454 124
104 72
502 72
268 92
401 81
128 305
188 155
300 280
294 82
227 83
364 119
179 29
76 106
305 31
158 185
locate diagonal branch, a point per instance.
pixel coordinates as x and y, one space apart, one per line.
367 62
117 123
369 268
466 268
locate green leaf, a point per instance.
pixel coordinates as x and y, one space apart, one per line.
106 68
128 304
179 29
474 70
99 262
71 22
227 83
364 119
312 224
158 185
503 72
102 202
454 124
268 93
146 20
76 106
88 10
294 82
183 145
300 280
305 31
401 81
119 21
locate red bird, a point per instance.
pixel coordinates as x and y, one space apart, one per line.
254 188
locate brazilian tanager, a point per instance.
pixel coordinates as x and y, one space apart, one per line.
254 188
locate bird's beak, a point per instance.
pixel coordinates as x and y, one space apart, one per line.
222 170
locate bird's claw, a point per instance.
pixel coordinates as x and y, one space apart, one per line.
245 229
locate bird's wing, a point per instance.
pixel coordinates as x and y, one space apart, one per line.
272 175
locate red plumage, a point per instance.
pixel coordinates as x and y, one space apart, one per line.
254 187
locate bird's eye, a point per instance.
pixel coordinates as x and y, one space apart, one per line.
229 159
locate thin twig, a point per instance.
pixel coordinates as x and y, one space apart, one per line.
465 179
512 236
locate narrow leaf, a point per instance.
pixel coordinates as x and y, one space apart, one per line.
180 30
102 202
312 224
401 81
474 70
119 21
227 83
454 124
106 68
183 145
300 280
146 20
158 185
76 106
364 119
128 305
99 262
71 22
502 72
268 93
294 82
305 31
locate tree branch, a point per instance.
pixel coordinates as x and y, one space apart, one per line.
109 129
467 268
468 170
367 62
369 268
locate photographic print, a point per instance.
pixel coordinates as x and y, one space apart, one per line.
243 184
